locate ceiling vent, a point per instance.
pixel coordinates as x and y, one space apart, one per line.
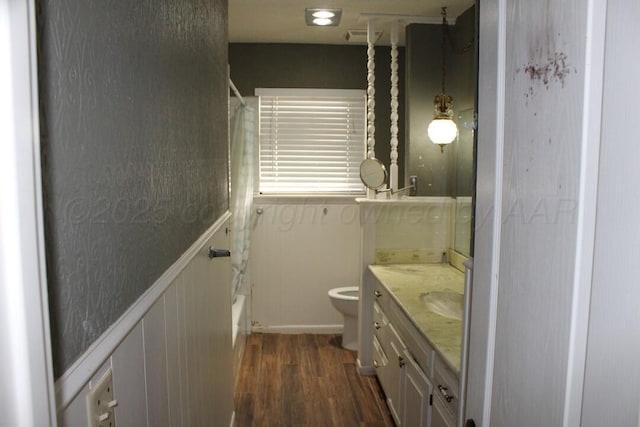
359 36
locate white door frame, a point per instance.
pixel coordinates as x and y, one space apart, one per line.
27 391
488 215
490 164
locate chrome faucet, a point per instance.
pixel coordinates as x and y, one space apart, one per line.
413 184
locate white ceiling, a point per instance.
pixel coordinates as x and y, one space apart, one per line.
282 21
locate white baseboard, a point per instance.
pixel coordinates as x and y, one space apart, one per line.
366 370
298 329
80 373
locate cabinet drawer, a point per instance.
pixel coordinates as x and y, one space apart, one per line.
445 387
416 343
381 296
379 357
380 323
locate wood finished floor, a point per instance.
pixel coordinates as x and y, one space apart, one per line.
305 380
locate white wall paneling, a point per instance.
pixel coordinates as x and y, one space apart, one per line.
586 209
367 285
489 161
544 66
302 248
155 357
172 359
539 136
612 375
173 346
129 388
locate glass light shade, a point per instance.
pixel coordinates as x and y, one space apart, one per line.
322 21
323 14
442 131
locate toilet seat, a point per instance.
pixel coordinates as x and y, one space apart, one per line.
343 293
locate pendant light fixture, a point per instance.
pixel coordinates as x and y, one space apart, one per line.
442 130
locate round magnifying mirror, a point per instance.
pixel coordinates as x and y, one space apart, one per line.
373 173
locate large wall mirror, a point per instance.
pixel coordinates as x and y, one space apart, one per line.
449 172
465 181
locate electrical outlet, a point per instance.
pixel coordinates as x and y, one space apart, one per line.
101 404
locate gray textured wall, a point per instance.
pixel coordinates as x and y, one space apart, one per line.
323 66
134 141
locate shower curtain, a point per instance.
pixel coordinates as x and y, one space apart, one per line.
243 139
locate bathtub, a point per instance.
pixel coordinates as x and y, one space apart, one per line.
238 317
239 332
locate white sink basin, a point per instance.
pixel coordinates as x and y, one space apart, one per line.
446 304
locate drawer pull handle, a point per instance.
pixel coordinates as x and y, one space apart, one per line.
375 364
400 361
446 395
376 325
378 294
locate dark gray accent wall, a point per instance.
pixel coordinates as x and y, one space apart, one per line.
258 65
438 171
464 82
433 168
134 150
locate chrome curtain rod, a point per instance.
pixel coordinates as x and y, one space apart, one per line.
236 92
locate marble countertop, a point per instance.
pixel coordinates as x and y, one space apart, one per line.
406 283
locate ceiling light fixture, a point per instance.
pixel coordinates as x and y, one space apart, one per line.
322 17
442 130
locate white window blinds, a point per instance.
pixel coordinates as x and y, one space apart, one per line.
311 140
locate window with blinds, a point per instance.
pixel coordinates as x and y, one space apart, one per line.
311 140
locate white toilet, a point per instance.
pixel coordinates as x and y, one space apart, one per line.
345 300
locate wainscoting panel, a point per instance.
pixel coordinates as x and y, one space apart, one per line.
129 380
172 358
76 413
155 356
301 249
174 382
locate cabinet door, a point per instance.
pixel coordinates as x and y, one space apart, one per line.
395 398
417 393
440 417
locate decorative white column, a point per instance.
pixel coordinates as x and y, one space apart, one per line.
393 173
371 90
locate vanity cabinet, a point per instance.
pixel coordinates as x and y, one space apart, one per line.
403 362
389 361
445 400
417 395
